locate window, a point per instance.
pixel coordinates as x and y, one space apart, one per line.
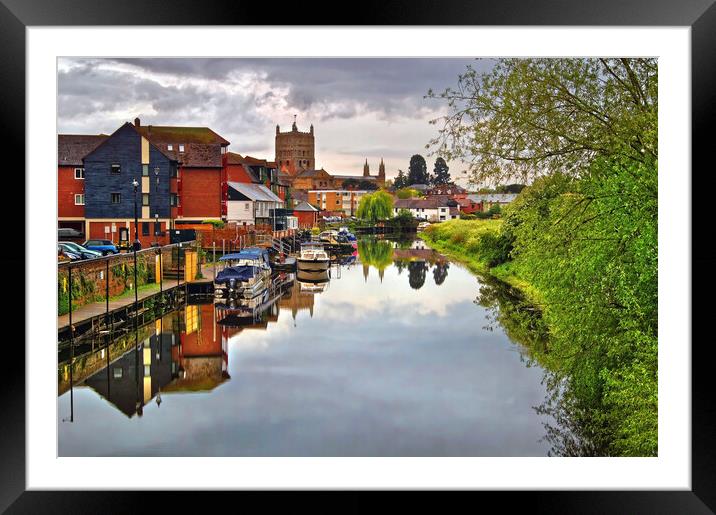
79 199
145 228
173 200
117 373
145 170
145 199
116 198
79 173
115 169
246 206
174 170
181 148
170 147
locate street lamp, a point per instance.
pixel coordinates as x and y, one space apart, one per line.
136 221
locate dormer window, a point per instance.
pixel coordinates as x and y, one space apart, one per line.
170 147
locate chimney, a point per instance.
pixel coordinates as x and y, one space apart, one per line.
136 122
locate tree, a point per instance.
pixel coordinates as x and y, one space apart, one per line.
375 206
418 170
350 184
401 181
530 117
407 193
441 175
367 185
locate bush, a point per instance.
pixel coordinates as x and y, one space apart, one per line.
218 224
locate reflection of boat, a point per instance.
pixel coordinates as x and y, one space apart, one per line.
242 311
246 273
312 276
313 257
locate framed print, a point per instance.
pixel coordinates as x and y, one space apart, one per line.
444 249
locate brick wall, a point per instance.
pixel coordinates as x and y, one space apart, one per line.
67 187
201 192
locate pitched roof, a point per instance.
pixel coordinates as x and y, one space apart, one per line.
492 197
71 148
304 206
174 134
256 192
433 202
202 146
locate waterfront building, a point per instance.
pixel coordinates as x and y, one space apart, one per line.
306 214
200 153
109 170
432 209
252 170
345 201
255 204
487 200
71 149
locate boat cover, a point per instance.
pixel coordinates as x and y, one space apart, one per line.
249 253
239 273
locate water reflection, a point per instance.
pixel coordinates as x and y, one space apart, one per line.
359 361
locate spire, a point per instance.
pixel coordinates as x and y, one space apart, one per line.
294 127
381 168
277 129
311 130
366 169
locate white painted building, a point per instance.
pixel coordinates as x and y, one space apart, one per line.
432 209
251 204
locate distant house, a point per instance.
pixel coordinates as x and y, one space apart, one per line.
307 215
487 200
452 190
254 170
345 201
253 204
432 209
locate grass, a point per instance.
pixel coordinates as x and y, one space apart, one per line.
461 240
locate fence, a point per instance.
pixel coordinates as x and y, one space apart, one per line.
100 279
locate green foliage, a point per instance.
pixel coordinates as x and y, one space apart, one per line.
530 117
367 185
417 171
441 174
407 193
218 224
401 181
375 206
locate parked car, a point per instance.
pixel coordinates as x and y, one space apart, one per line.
105 247
66 232
66 255
79 249
423 225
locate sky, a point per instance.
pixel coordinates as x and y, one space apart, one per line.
360 108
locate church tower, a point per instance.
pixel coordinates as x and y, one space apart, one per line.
381 173
295 150
366 169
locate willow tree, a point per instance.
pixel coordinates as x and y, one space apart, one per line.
375 206
530 117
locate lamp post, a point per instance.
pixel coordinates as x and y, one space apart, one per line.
135 247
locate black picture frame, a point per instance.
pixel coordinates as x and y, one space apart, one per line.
700 15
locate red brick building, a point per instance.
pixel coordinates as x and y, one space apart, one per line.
71 149
307 215
200 182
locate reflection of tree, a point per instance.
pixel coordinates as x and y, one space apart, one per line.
376 253
575 423
440 272
416 274
400 265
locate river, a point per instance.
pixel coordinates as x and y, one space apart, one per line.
398 354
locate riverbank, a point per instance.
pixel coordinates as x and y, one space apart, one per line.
461 240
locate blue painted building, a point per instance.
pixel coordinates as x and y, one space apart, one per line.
110 169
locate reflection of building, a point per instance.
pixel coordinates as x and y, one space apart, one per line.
202 355
297 301
131 381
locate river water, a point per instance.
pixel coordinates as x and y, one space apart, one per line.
393 356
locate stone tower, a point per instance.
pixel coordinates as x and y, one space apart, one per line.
295 150
366 169
381 172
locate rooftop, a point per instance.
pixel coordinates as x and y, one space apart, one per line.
71 148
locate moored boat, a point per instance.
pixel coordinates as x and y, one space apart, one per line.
313 257
246 273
